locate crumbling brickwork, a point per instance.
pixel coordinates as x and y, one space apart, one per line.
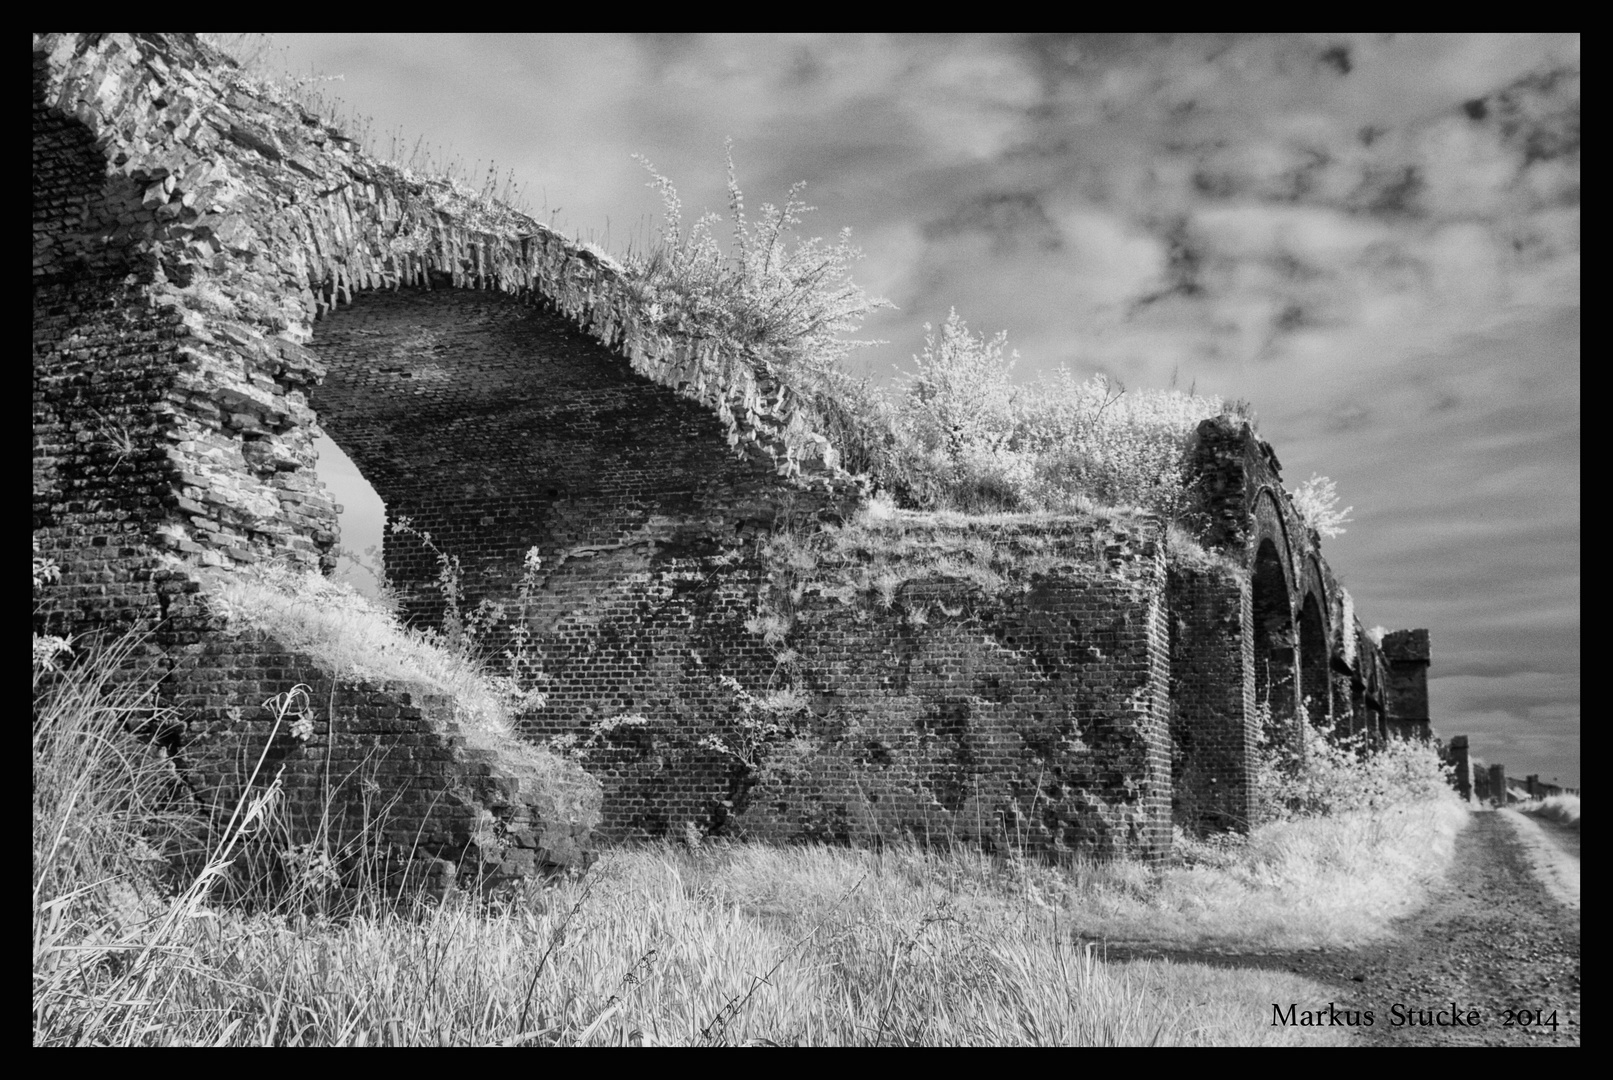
1032 714
1214 725
380 769
218 272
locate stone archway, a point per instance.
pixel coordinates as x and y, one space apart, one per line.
1276 682
496 425
1315 693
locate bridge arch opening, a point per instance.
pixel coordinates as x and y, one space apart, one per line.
495 425
1314 689
1276 684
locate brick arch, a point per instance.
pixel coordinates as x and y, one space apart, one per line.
243 220
1314 689
497 425
1271 524
1273 655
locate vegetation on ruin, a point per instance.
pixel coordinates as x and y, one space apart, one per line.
1333 774
787 298
481 655
957 433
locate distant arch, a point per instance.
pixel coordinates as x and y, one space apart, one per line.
1270 525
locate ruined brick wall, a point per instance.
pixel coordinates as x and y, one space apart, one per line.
213 264
1407 653
168 419
1035 717
383 770
100 481
496 425
1267 607
1032 715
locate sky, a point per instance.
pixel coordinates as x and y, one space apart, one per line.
1374 239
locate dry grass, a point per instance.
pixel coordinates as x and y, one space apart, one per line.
738 945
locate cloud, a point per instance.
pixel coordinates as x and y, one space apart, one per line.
1529 721
1373 237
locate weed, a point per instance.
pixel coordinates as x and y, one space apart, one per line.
791 300
1316 501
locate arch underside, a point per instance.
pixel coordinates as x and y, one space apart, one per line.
496 426
1296 648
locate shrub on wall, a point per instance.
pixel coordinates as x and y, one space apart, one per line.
791 299
958 434
1333 775
1317 502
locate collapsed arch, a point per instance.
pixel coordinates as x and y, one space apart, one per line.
496 425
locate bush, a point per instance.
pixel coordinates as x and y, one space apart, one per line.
788 300
1334 775
958 434
1317 502
1563 809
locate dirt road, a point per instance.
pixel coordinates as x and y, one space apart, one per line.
1495 943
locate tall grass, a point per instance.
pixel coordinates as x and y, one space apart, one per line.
667 947
123 861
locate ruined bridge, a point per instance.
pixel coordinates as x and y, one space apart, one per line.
219 274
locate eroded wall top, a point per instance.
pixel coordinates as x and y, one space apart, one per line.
246 217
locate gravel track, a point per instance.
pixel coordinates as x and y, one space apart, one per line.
1492 939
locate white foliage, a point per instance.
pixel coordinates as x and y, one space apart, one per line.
1317 502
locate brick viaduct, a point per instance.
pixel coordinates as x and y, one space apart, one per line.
216 272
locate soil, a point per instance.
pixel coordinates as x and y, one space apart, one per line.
1492 941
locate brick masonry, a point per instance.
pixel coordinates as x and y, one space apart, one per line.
218 273
381 769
